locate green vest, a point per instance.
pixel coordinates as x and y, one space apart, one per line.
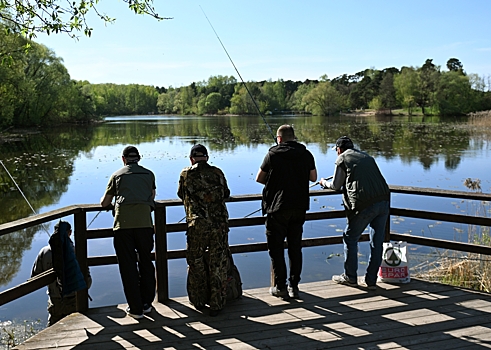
134 184
132 187
364 183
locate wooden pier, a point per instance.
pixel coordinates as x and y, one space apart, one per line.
417 315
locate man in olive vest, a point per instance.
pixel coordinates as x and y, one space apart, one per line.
203 190
133 188
366 199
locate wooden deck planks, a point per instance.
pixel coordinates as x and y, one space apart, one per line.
417 315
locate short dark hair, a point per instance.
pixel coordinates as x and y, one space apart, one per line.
344 142
286 131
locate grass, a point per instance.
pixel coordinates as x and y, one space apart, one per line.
13 333
465 270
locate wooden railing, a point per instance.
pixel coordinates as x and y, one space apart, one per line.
162 255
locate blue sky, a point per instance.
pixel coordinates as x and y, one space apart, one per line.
266 39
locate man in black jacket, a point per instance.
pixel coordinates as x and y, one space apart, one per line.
366 198
285 172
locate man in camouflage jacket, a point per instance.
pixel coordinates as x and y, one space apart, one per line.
203 189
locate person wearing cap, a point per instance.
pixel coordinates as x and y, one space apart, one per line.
203 190
61 294
286 171
366 198
133 188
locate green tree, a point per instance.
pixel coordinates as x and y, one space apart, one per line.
406 86
387 92
427 84
324 99
297 101
454 95
454 65
165 101
213 102
57 16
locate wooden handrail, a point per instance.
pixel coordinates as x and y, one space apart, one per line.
162 255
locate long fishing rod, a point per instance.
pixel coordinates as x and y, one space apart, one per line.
22 193
314 184
240 76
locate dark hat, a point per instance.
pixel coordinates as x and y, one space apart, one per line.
198 151
343 142
131 152
63 223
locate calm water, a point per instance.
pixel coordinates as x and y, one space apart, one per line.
72 165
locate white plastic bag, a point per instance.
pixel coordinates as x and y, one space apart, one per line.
394 267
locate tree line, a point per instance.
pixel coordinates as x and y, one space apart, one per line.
36 89
429 88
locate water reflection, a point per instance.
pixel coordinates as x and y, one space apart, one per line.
71 164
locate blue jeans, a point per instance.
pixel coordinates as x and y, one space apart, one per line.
376 216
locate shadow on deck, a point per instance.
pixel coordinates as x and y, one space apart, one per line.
417 315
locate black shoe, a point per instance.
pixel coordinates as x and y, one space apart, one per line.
147 308
214 313
199 307
281 293
293 292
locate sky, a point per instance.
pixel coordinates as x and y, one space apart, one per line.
272 39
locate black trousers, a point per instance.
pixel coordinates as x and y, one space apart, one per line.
280 225
133 249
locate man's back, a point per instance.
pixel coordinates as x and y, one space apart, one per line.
365 183
288 165
203 189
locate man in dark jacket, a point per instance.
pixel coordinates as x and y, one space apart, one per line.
285 172
60 255
366 198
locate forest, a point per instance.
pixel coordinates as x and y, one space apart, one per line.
36 90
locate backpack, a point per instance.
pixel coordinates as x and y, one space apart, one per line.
234 282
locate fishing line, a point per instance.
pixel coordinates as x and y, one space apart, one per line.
240 76
22 193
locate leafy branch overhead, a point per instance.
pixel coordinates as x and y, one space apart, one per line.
59 16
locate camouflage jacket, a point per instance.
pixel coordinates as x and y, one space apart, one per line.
203 189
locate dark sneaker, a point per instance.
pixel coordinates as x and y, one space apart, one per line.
293 292
135 316
199 307
279 293
343 279
372 287
147 308
214 313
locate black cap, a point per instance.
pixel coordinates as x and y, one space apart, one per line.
344 142
198 151
131 153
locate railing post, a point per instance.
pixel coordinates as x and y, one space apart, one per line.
80 223
387 225
161 262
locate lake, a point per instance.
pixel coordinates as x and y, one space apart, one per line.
72 164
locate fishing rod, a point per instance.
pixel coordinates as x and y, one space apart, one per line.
314 184
318 182
22 193
240 76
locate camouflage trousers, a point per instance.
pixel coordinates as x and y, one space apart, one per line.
207 257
